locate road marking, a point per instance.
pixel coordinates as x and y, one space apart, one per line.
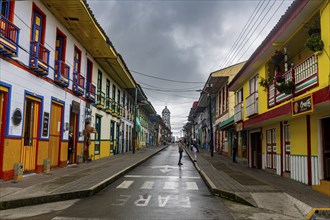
163 177
166 168
148 185
170 185
191 186
125 184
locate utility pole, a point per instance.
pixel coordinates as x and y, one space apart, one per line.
134 125
211 125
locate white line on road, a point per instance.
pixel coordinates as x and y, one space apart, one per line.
170 185
163 177
147 185
191 186
125 184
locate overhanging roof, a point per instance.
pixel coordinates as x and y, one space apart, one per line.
78 19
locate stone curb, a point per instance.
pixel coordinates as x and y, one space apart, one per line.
75 194
214 190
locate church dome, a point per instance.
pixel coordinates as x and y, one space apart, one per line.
165 110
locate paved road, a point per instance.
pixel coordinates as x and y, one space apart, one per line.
158 189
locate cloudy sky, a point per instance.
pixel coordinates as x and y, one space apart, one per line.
184 41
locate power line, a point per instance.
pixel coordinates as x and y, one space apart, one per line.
196 87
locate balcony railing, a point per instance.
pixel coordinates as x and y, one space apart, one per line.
108 105
252 104
9 35
238 115
120 111
78 83
39 58
62 73
100 99
114 108
304 77
90 92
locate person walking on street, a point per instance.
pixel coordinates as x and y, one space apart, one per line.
235 145
181 146
194 149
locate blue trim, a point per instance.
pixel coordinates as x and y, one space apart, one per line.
63 124
9 87
41 112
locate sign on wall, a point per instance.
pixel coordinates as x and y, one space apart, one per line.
302 106
45 124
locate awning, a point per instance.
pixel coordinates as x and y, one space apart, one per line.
226 123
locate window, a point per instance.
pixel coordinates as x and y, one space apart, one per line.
89 71
239 96
28 124
99 81
253 84
114 93
76 60
107 92
60 46
97 134
5 8
118 96
38 25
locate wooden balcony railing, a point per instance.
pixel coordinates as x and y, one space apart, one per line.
39 58
304 77
252 104
62 73
100 99
108 105
90 92
9 36
78 83
238 112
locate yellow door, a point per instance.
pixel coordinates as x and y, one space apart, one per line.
55 134
30 139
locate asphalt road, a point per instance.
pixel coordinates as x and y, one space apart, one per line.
158 189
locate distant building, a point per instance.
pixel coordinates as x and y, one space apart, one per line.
166 115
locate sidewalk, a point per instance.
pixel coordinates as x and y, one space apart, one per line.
74 181
259 188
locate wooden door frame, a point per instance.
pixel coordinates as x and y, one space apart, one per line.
3 128
61 129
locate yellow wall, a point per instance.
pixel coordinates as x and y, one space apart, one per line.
64 151
105 149
42 152
298 135
12 153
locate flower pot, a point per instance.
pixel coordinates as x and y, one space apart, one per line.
279 79
317 53
277 58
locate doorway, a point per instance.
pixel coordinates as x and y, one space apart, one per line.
256 153
326 147
73 137
3 104
55 134
30 139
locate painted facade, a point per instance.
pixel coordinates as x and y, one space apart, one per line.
282 106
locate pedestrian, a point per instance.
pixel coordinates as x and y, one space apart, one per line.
194 149
235 145
181 146
87 141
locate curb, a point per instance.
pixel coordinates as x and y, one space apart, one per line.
75 194
214 190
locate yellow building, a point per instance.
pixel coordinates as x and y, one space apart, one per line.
282 96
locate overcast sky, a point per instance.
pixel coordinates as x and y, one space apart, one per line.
184 41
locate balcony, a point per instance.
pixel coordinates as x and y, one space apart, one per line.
108 105
100 100
39 58
114 108
304 77
62 73
119 111
252 104
90 92
238 109
78 84
9 35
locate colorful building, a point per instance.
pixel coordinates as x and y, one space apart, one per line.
282 97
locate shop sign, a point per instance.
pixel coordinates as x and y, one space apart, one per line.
45 124
75 107
302 105
239 126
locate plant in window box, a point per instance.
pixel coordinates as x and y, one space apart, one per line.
278 56
314 43
285 87
278 75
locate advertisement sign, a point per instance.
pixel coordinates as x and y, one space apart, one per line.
302 106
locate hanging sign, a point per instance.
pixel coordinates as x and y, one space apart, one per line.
45 124
302 105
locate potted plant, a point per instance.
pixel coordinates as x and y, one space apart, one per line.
278 56
314 43
314 28
264 82
285 87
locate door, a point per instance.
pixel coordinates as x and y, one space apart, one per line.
326 147
117 139
30 138
73 137
97 135
256 150
271 148
112 137
37 27
55 134
3 103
